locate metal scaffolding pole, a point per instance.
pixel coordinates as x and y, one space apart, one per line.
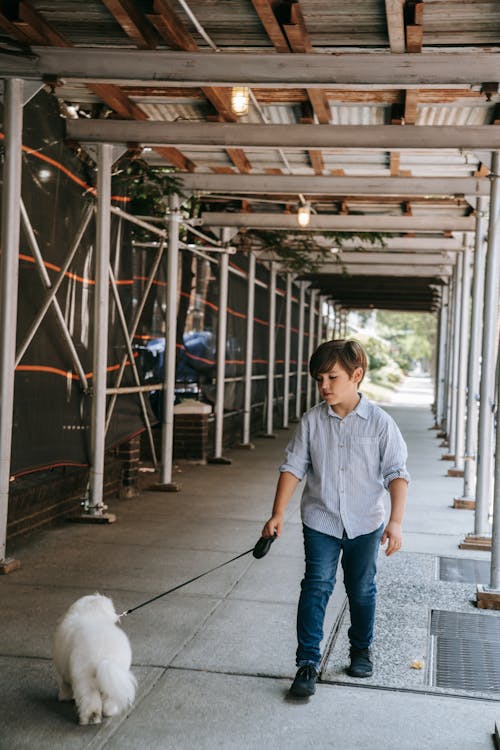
300 350
288 337
488 359
9 275
441 363
221 353
495 532
94 504
247 409
319 334
463 342
310 345
474 355
44 275
167 428
455 354
449 358
271 356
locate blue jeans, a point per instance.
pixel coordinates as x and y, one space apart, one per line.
359 562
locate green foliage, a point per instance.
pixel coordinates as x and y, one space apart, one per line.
300 251
147 187
412 336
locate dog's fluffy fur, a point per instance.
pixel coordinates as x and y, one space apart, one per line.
92 657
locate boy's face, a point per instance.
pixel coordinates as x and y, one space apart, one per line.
337 387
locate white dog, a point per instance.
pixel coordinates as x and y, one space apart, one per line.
92 657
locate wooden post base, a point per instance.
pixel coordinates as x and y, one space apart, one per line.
93 518
476 542
487 598
9 565
464 503
167 487
455 472
448 457
247 446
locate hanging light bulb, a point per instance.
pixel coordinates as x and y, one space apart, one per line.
239 100
304 215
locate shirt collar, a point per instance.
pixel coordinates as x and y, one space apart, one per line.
362 409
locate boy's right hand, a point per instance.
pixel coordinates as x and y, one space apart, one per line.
273 526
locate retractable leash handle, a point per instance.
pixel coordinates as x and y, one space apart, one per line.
261 548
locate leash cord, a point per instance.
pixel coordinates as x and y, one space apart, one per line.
186 583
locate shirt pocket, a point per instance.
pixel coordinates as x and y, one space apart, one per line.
365 455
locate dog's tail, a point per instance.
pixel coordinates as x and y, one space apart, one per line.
117 685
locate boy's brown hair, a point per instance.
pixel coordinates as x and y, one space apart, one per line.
348 353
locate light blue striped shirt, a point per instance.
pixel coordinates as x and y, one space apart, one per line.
348 464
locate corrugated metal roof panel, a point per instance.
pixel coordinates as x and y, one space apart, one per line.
361 114
443 114
171 112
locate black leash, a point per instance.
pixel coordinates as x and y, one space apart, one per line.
260 549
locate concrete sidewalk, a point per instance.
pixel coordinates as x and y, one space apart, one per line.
214 660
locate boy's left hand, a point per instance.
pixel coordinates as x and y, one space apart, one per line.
392 534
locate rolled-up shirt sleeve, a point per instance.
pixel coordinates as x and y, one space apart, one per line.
297 457
393 454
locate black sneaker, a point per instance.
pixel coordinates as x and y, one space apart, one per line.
304 683
361 663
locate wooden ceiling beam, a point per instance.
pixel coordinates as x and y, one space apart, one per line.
265 11
395 25
410 106
33 25
300 42
259 70
317 161
133 22
172 29
414 11
366 223
110 94
394 162
294 137
239 159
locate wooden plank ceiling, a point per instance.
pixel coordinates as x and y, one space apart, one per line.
279 27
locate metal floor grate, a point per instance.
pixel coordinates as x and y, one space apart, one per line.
461 570
466 653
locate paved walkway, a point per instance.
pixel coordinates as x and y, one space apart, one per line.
214 660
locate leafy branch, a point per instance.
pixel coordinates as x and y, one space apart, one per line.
300 252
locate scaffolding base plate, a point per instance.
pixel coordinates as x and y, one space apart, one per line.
455 472
9 565
448 457
219 460
246 446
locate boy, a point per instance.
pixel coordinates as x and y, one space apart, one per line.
351 452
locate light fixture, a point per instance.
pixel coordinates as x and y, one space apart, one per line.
304 215
239 100
44 175
335 250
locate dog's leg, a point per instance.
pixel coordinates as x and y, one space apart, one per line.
89 703
65 692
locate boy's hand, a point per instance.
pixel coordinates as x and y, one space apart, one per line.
273 526
392 534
